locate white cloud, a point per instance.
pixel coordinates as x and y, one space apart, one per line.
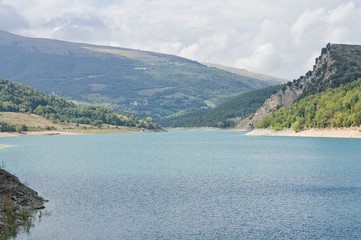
342 13
261 58
277 37
190 51
308 21
10 19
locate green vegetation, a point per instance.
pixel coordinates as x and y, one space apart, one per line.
18 98
338 65
137 82
223 116
338 107
17 205
13 218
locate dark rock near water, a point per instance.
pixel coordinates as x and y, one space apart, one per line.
16 195
25 197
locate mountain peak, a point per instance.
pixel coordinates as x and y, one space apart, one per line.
338 64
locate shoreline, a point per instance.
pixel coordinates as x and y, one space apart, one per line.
192 129
17 205
352 132
37 133
74 132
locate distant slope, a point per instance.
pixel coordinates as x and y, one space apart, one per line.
338 107
338 64
246 73
17 98
226 114
146 83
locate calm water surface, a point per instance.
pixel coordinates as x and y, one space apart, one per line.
190 185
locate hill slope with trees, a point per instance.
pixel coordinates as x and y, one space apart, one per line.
140 82
337 108
20 99
338 64
226 114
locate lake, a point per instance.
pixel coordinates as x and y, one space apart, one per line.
190 185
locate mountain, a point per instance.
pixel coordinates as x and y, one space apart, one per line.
335 107
141 82
227 114
338 64
243 72
23 108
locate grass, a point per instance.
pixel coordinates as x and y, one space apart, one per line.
30 120
37 123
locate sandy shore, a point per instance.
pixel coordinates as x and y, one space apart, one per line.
37 133
76 132
354 132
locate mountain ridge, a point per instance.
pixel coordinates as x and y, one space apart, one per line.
245 72
338 64
134 81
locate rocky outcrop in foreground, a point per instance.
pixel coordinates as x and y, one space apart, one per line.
16 203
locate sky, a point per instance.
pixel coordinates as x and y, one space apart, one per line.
279 37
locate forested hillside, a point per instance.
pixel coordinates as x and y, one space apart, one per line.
224 115
338 107
18 98
139 82
337 65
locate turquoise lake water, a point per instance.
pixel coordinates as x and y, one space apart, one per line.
190 185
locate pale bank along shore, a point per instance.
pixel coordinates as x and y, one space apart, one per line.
37 133
353 132
74 132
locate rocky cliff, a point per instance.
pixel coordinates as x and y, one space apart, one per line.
337 64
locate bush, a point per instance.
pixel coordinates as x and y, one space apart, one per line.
21 128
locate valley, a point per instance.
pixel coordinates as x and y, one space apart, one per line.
146 84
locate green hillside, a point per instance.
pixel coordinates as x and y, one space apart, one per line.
20 99
338 107
338 64
140 82
223 116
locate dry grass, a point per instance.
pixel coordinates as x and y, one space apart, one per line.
39 126
30 120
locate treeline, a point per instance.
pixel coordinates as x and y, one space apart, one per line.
338 107
221 116
18 98
5 127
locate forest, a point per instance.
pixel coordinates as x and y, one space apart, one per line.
18 98
223 115
337 108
